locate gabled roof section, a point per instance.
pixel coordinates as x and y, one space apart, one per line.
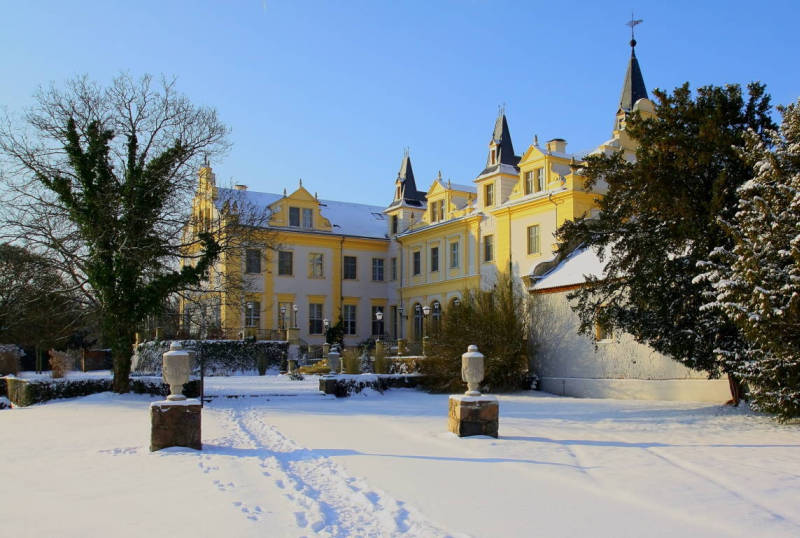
633 87
501 138
346 218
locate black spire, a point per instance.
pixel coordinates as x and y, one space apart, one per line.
633 88
502 137
408 192
501 144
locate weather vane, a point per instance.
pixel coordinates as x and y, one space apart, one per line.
632 23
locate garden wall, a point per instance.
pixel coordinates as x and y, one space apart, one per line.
24 392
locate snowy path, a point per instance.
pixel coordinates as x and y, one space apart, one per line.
324 499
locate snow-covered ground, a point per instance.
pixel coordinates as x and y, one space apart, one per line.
287 461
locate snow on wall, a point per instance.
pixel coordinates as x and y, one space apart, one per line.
569 363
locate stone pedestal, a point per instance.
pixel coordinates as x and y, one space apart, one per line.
175 423
402 346
293 335
473 415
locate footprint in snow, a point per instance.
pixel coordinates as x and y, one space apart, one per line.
300 517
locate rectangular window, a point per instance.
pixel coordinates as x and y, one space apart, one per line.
349 316
316 265
285 262
434 213
533 239
314 318
377 269
434 259
252 314
603 331
454 255
489 194
252 261
539 179
308 218
528 182
394 268
350 268
417 263
294 216
488 248
395 222
377 325
441 210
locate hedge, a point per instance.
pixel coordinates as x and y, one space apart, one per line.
24 392
221 357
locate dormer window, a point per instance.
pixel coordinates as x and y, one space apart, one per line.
294 217
397 196
308 218
493 156
488 193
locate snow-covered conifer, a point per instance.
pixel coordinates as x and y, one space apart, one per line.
757 282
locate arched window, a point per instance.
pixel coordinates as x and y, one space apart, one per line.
436 317
419 319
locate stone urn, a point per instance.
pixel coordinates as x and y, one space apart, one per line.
176 369
472 370
334 362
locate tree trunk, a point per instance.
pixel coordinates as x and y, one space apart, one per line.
121 354
736 390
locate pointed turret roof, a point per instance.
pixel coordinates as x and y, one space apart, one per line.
408 187
501 138
633 88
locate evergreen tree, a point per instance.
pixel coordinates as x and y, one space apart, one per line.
757 282
659 218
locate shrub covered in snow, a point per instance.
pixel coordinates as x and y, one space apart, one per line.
220 357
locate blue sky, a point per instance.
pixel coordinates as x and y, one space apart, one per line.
332 92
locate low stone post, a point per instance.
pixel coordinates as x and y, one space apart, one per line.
326 348
425 344
473 413
402 346
292 365
159 333
379 348
176 420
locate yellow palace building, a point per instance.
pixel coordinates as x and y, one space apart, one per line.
330 260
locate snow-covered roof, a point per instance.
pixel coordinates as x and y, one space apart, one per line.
355 219
502 169
463 188
573 270
347 218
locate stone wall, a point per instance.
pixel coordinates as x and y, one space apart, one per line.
571 364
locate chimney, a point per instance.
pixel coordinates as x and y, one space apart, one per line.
557 145
240 187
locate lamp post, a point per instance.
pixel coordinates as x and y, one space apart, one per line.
402 313
379 317
283 317
426 311
295 308
326 324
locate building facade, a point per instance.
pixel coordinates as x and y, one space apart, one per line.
321 260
